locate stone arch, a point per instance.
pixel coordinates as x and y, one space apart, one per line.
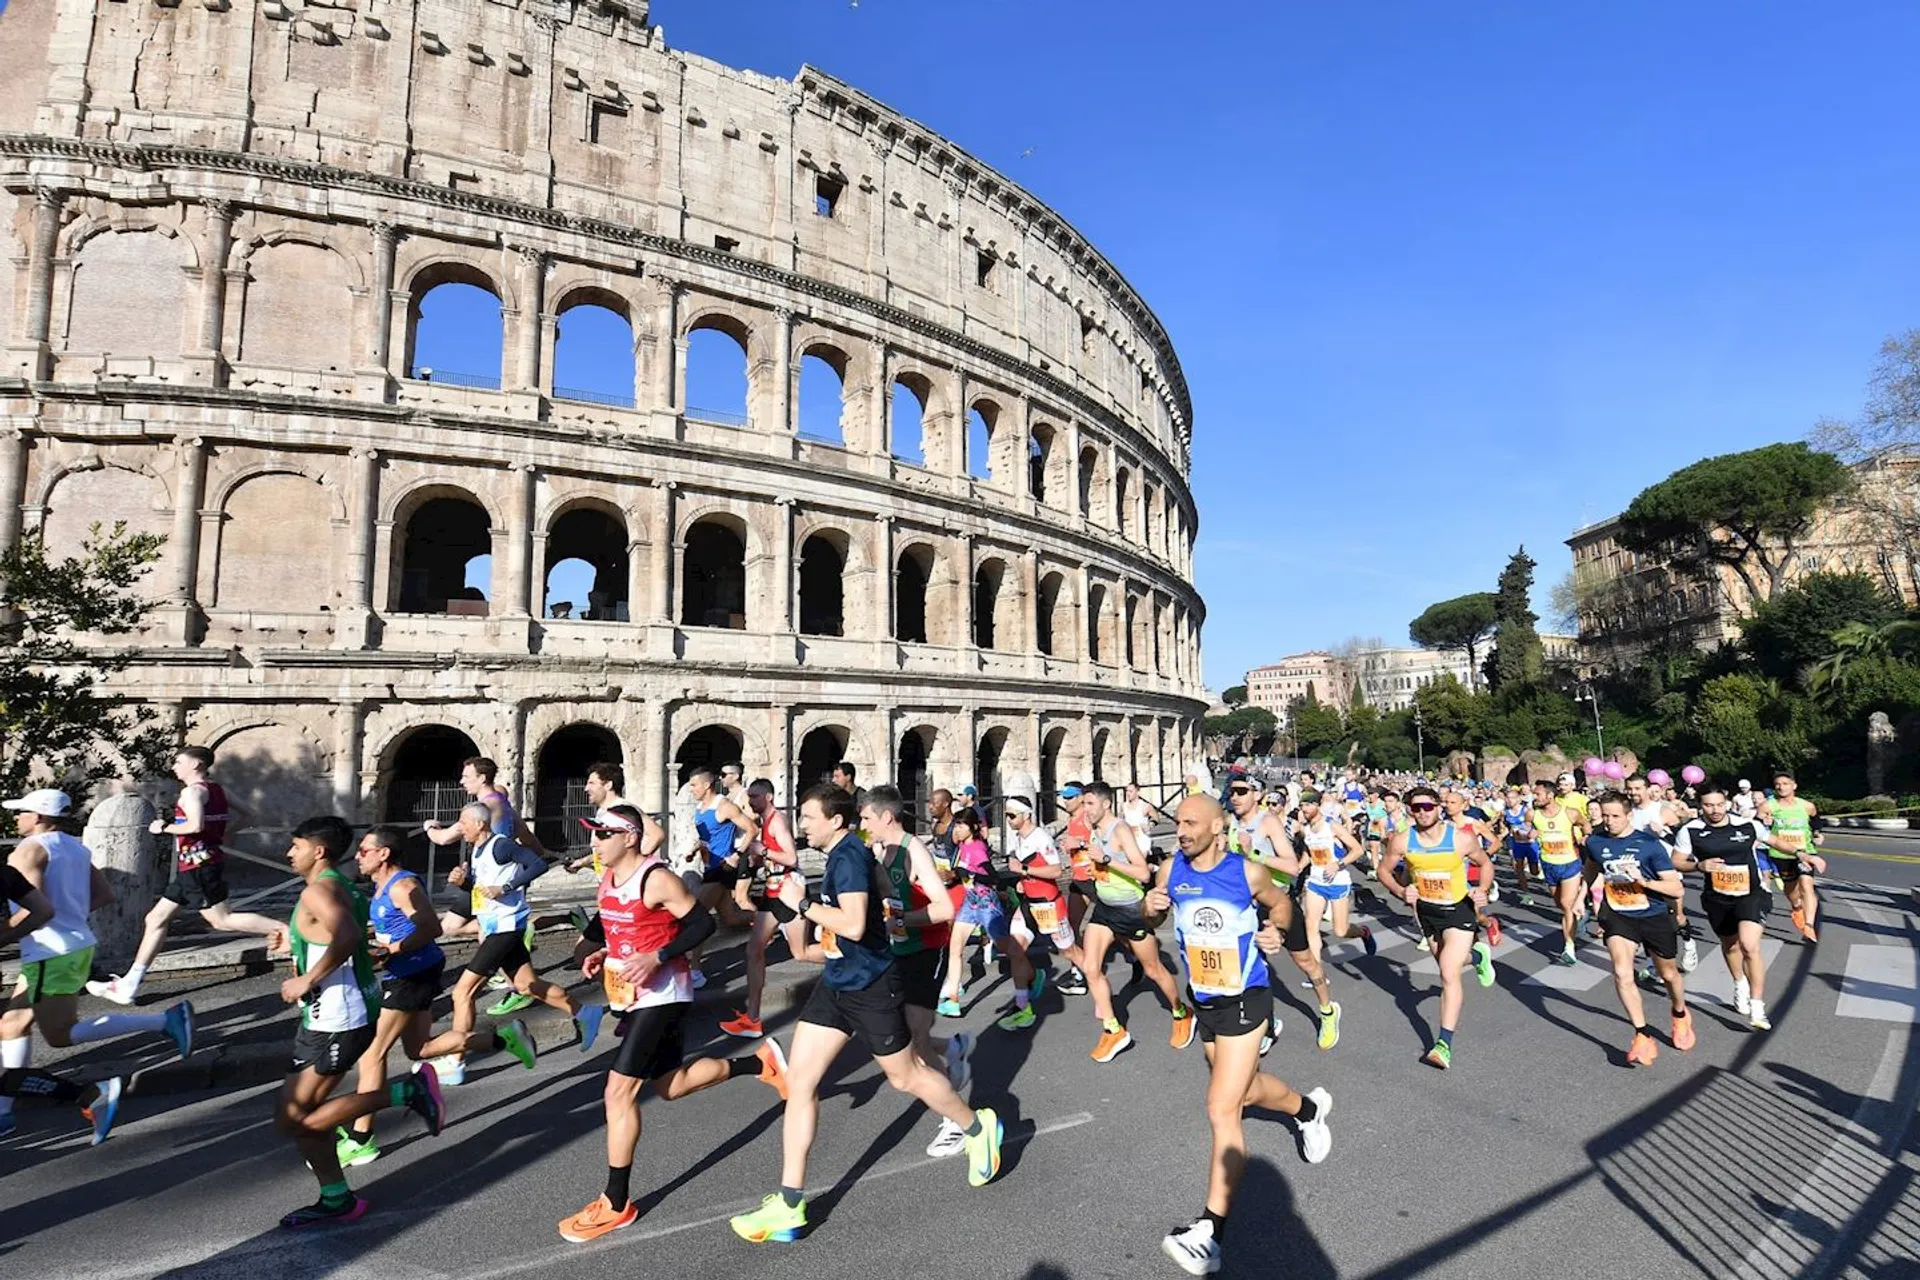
441 533
559 779
1123 502
823 408
714 545
914 598
293 306
992 758
1046 469
743 724
1053 615
79 496
717 373
984 439
127 291
594 345
993 595
586 560
427 335
276 548
1093 482
913 765
419 771
821 563
815 753
272 767
1100 629
907 430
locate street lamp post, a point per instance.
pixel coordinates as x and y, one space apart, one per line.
1589 694
1419 737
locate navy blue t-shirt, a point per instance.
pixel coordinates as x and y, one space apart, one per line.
851 869
1638 852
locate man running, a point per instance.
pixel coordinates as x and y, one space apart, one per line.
477 774
638 946
1560 830
1120 879
771 858
1523 844
1076 841
201 818
1036 859
860 995
1790 820
1436 854
1472 822
1652 811
1217 900
725 831
1726 850
1259 833
1639 877
606 786
405 949
1328 849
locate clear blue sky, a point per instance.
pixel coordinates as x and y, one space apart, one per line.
1443 278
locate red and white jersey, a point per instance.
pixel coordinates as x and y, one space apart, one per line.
633 929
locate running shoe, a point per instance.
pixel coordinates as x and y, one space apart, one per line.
180 1027
1038 986
450 1070
740 1024
699 979
959 1060
1366 940
1316 1140
1493 892
352 1152
1266 1045
581 922
950 1141
1644 975
1483 963
949 1008
1193 1248
1493 930
1682 1035
321 1212
1022 1018
1810 933
983 1148
1742 995
100 1115
773 1066
1441 1055
1183 1029
1074 984
587 1024
1111 1043
499 981
425 1100
1757 1016
1526 899
519 1042
1799 920
510 1004
596 1220
114 990
773 1220
1643 1050
1423 943
7 1124
1565 957
1330 1028
1689 956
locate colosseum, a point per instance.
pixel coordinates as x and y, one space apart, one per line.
228 223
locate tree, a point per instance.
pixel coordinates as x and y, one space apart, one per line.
1858 647
57 725
1795 629
1462 623
1744 511
1882 442
1563 606
1518 657
1235 696
1318 728
1453 717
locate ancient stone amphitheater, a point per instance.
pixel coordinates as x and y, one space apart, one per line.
224 225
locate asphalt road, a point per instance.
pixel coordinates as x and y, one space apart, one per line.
1769 1156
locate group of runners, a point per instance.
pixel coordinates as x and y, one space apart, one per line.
890 918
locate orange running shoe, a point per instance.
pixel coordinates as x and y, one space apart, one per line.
1683 1034
743 1026
596 1220
1644 1050
1111 1043
1183 1029
773 1065
1800 920
1493 930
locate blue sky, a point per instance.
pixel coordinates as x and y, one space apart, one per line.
1443 279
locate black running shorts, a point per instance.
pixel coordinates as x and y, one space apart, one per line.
1251 1010
329 1053
1656 931
501 953
654 1045
875 1015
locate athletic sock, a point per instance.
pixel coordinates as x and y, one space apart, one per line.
1308 1110
1219 1223
333 1193
1679 1014
1020 998
1446 1036
618 1179
13 1057
973 1130
1326 1010
130 981
24 1082
737 1067
399 1093
792 1196
109 1025
1111 1024
1640 1028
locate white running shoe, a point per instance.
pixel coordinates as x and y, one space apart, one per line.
1689 956
1742 995
114 990
1757 1016
1493 892
1193 1248
950 1141
449 1070
1316 1140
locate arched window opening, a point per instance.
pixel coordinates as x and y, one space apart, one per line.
1134 648
1039 455
910 770
715 578
986 761
586 569
446 560
1050 748
717 373
823 393
560 780
422 781
980 425
987 580
1123 501
1098 766
820 750
1096 624
822 588
906 416
708 747
593 355
1044 619
455 331
1089 467
912 577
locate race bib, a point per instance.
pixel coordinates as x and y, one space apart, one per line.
896 917
1734 882
1626 897
478 900
1436 887
619 991
1322 855
1789 841
829 944
1556 846
1046 915
1214 970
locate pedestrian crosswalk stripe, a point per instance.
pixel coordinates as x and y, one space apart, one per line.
1880 983
1711 980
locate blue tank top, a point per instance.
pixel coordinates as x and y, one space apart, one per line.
1214 920
508 819
717 834
393 926
1516 819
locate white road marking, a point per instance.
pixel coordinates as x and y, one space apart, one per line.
1880 983
1712 981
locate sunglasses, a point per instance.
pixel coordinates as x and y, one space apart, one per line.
1423 806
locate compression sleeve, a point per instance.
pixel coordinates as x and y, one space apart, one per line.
694 930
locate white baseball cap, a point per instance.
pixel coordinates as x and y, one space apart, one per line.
1745 785
46 802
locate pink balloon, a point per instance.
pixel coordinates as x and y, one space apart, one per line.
1694 775
1593 765
1660 777
1614 769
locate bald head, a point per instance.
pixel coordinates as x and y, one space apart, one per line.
1199 823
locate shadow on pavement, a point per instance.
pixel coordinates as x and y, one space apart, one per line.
1266 1236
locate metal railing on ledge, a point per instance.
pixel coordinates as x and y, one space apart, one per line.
454 378
610 399
717 417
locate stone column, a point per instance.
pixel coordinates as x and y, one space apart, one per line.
213 279
883 587
639 564
660 383
380 303
520 363
783 584
35 358
180 620
1030 611
1070 440
13 484
1082 643
125 852
355 624
347 724
879 408
661 632
652 790
514 599
784 417
963 610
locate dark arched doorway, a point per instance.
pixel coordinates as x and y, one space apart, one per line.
560 776
820 750
707 747
910 771
1050 748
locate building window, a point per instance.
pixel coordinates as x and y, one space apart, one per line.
826 194
983 269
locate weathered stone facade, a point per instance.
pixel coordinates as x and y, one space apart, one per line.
217 223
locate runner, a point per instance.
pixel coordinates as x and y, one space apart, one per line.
1329 850
1259 833
1522 842
29 914
638 946
606 786
1638 874
1743 803
771 856
1653 811
1120 877
1560 831
725 831
1790 820
477 774
1726 850
334 986
498 877
201 819
1575 799
1140 813
404 948
860 995
1216 900
1076 842
1043 915
980 909
1472 822
1436 854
